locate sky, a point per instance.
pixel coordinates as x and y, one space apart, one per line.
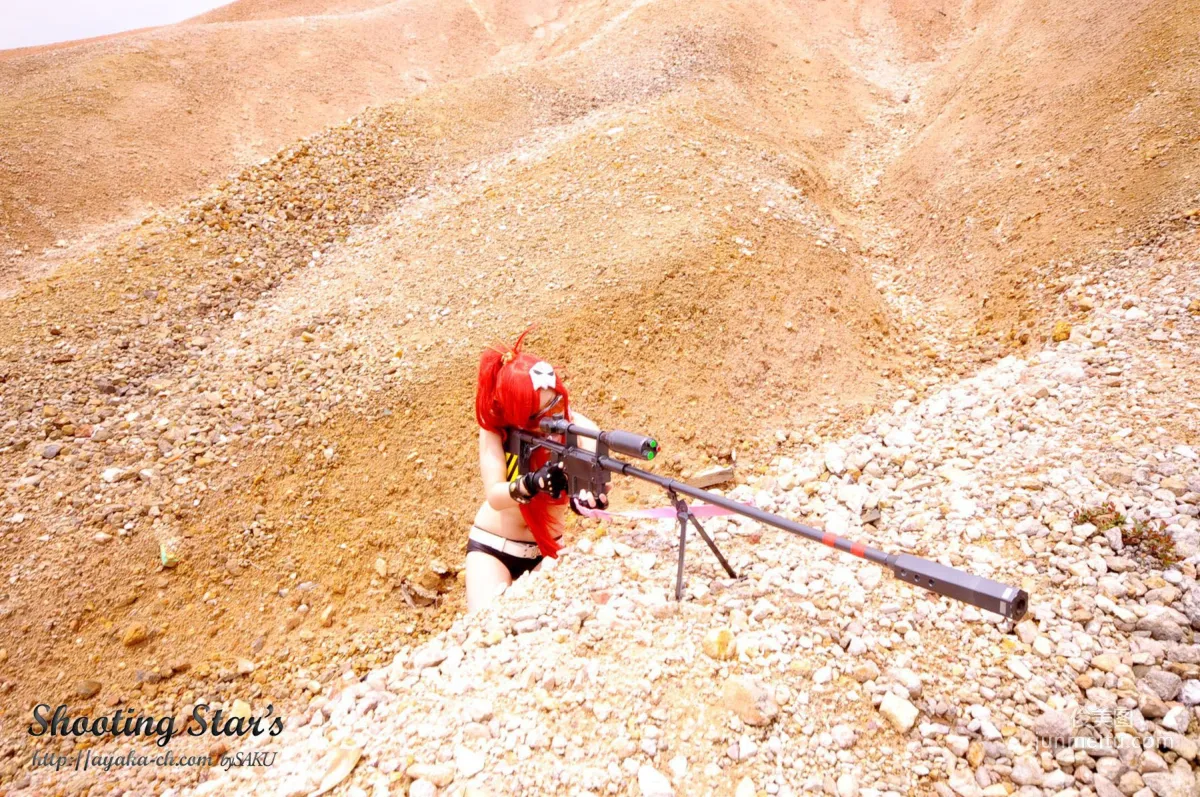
26 23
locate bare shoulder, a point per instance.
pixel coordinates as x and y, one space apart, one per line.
490 441
579 417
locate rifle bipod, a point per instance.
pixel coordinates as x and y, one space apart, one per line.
684 513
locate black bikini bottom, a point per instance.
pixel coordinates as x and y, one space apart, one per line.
517 566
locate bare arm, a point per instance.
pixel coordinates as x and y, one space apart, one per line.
588 444
491 468
579 418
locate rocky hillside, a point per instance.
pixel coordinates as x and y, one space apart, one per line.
239 458
816 673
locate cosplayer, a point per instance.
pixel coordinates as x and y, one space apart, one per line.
521 519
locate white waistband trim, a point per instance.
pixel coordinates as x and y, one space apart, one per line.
525 550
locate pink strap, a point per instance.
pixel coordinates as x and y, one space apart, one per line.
699 510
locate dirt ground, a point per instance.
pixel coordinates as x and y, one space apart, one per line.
236 430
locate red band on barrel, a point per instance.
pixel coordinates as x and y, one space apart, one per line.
857 548
829 539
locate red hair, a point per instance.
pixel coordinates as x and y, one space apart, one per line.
505 397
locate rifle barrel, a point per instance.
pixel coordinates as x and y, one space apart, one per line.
984 593
628 443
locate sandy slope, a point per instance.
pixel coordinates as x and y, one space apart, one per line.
1047 137
108 129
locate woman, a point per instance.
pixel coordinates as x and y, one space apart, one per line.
521 519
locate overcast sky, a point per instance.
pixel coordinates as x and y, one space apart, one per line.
25 23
